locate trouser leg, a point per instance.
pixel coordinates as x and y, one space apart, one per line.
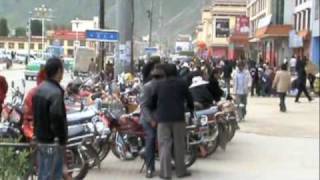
179 132
305 91
150 146
282 101
299 93
165 147
243 100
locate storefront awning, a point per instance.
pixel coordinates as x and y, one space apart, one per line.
273 31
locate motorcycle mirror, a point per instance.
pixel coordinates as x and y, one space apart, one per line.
12 84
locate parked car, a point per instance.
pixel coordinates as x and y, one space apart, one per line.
33 68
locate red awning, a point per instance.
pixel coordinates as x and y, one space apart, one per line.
241 39
274 31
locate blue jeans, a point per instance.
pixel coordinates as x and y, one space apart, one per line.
150 140
50 162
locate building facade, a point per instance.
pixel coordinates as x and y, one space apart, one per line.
270 24
302 25
21 45
315 24
218 24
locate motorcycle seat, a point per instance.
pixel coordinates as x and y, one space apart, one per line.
80 117
210 111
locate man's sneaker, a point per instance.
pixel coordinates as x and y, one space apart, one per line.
150 173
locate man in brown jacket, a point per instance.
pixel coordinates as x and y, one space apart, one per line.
282 83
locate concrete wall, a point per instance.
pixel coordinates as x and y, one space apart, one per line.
288 17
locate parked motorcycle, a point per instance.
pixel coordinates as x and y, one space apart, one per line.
128 139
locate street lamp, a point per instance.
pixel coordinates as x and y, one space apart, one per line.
43 13
76 44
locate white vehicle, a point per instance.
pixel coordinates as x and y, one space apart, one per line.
83 59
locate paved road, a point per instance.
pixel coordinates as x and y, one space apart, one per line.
270 146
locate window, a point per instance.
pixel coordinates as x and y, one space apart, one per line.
31 46
297 2
2 45
11 45
70 52
70 43
82 43
40 46
21 45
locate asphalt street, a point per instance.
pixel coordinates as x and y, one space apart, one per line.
269 146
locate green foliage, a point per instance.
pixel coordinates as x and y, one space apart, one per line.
4 30
36 28
14 164
20 31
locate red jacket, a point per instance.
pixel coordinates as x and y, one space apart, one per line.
3 89
27 125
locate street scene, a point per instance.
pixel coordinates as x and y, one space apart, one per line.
146 89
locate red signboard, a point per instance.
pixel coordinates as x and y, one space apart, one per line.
242 25
69 35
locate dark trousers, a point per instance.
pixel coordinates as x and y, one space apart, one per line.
172 134
255 87
302 88
150 139
311 78
282 96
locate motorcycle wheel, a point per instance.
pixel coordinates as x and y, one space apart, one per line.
212 147
80 165
103 149
92 156
189 158
232 130
115 151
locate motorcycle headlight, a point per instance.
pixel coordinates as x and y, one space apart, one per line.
100 127
203 120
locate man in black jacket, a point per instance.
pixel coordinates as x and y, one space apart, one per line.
50 122
168 101
302 79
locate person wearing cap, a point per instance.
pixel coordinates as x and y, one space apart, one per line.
201 95
147 117
241 85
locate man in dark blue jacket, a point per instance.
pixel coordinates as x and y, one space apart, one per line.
168 101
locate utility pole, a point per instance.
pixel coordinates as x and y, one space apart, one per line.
161 30
132 38
125 27
150 15
101 44
29 36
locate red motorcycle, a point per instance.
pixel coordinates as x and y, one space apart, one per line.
128 138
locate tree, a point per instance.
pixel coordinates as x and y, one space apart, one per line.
36 28
4 30
20 31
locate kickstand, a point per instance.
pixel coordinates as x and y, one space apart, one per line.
144 163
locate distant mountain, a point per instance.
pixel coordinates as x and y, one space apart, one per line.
179 16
